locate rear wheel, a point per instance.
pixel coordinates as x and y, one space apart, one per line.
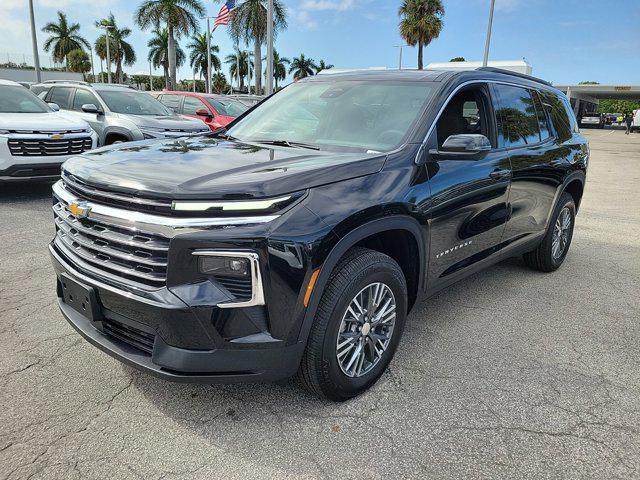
357 326
551 252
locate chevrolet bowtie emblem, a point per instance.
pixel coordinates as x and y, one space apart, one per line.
56 136
79 209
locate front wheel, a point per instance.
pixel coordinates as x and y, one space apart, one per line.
551 252
357 326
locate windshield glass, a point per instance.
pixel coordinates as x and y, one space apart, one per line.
368 115
133 103
14 99
228 108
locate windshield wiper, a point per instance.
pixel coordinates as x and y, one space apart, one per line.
287 143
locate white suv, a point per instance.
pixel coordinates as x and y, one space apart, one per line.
35 138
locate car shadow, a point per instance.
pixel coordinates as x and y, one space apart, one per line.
257 422
25 191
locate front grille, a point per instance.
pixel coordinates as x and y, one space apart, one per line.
238 287
115 250
120 200
20 147
128 334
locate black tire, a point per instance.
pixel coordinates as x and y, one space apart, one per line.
543 258
319 372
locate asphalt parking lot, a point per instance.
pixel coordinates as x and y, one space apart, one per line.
508 374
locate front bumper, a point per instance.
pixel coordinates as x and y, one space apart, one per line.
259 361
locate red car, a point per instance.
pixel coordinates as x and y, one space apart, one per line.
215 110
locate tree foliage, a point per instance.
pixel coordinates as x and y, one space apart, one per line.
64 38
420 23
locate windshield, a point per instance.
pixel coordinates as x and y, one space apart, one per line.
368 115
133 103
14 99
228 108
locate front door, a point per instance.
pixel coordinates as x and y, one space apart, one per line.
96 120
469 206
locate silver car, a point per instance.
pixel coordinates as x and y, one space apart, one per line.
118 113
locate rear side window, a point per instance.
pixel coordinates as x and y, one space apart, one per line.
541 113
61 96
562 118
517 119
172 101
84 97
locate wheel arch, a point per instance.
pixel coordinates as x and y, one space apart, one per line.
380 235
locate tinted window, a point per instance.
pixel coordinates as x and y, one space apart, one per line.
171 101
61 96
191 105
15 99
517 120
562 119
132 102
541 113
229 108
83 97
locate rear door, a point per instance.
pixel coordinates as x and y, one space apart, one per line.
523 128
469 196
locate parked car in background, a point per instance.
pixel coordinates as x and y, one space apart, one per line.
248 100
611 118
297 241
592 119
214 110
118 113
635 126
34 137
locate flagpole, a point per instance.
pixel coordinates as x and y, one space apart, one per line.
270 47
208 86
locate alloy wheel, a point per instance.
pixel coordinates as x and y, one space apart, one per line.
561 232
366 329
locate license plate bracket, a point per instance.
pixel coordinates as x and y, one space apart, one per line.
81 298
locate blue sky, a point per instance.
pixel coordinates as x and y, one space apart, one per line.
566 41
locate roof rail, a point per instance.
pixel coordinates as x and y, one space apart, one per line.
515 74
124 85
79 82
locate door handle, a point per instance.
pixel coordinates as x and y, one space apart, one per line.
499 174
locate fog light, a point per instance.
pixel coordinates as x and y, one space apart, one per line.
225 266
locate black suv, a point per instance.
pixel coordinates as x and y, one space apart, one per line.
296 241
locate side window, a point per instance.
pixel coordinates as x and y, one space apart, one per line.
191 105
518 124
61 96
562 118
541 113
82 97
465 113
171 101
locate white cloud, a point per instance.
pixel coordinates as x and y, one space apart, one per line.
340 5
303 19
507 5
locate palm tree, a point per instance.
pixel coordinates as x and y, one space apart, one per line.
421 22
198 54
120 51
64 38
250 24
159 52
241 58
279 67
302 67
322 66
180 17
219 83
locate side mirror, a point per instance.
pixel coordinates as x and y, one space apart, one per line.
468 146
203 112
54 106
90 108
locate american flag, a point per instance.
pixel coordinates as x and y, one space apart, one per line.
224 16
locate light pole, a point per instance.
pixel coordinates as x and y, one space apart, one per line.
488 42
34 41
269 48
106 34
93 73
400 59
150 77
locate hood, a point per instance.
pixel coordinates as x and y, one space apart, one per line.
40 121
170 122
207 168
